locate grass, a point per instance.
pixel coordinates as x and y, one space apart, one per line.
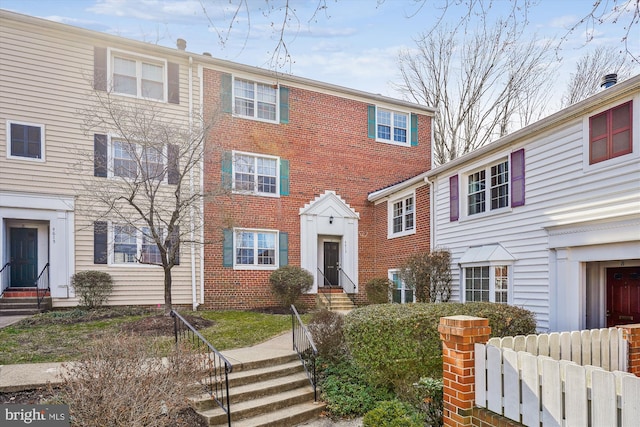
60 336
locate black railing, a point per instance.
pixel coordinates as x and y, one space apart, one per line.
327 284
347 284
215 366
306 349
5 277
42 284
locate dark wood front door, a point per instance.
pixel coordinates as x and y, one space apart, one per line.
24 256
623 296
331 262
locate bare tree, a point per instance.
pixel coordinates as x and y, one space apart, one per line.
483 83
147 184
590 69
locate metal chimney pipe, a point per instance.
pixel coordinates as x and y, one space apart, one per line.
181 44
609 80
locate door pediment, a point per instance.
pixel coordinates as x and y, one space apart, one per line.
329 204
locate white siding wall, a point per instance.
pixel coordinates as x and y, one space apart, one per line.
45 78
559 191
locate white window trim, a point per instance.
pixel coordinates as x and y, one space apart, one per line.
390 274
42 158
111 249
254 81
492 279
255 192
139 58
635 135
276 264
401 197
463 190
110 159
393 112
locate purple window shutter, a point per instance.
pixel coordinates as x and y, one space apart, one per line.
454 199
517 178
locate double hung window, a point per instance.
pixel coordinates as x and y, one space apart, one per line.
486 283
255 248
402 216
255 100
135 162
496 190
132 245
255 174
400 293
25 141
138 77
392 126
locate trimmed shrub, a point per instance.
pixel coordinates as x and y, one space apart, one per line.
429 398
326 328
399 344
378 290
346 390
288 283
393 413
93 287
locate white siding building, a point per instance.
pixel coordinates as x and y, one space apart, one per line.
548 218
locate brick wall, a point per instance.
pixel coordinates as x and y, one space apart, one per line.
327 147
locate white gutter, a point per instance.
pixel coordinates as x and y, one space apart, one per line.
201 105
432 223
194 302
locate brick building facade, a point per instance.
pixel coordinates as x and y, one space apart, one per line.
293 162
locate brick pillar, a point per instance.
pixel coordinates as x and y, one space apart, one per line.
632 334
458 335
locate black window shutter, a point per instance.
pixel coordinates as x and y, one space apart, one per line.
454 199
517 178
173 83
100 68
175 240
173 164
100 155
100 242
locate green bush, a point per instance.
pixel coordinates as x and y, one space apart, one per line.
93 287
346 390
378 290
429 398
326 328
399 344
393 413
288 283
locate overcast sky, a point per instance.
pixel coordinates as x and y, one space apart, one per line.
352 43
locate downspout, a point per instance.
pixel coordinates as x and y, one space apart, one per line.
201 105
432 222
194 302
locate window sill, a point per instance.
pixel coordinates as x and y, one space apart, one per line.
399 144
255 267
26 159
484 215
256 119
401 234
251 193
128 95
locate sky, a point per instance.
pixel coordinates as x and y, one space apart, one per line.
351 43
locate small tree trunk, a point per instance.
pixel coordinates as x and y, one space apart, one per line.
167 291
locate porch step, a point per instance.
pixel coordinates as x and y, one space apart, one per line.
271 392
18 302
335 302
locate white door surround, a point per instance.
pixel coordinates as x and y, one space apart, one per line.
329 218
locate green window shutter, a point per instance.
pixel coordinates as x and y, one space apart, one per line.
414 130
227 248
227 170
225 93
283 248
284 104
371 121
284 177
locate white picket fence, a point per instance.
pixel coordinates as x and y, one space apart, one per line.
547 387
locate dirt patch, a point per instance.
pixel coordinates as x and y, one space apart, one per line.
161 325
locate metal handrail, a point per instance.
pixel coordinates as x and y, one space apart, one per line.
347 284
326 281
216 366
42 284
306 349
6 269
